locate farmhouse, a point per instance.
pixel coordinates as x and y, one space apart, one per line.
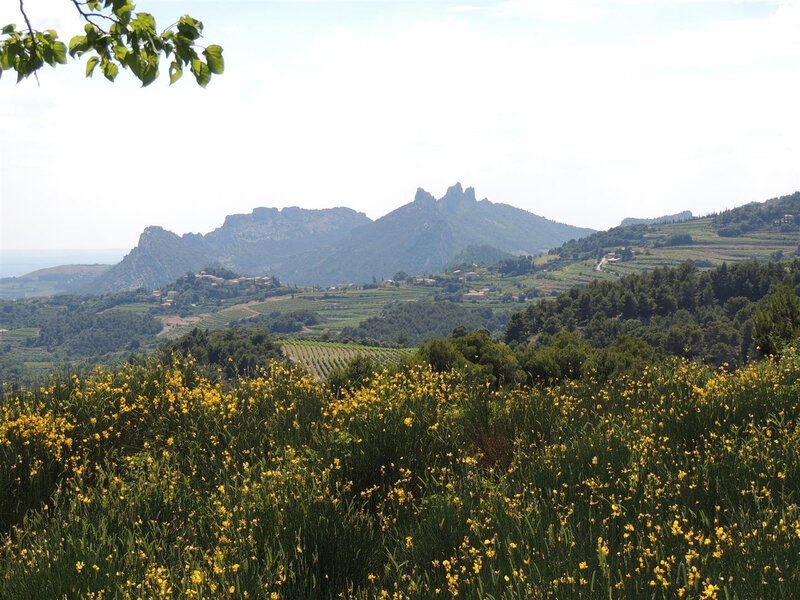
474 295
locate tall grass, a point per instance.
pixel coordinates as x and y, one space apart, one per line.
152 482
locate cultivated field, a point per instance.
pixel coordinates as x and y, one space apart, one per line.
321 357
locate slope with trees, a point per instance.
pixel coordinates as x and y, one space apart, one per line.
708 315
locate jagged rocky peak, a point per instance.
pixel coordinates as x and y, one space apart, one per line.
457 196
155 232
423 197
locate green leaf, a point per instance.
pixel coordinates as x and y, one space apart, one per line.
133 63
110 70
120 52
144 22
184 50
149 72
175 72
188 27
123 11
9 29
77 45
46 52
213 54
60 51
91 65
201 72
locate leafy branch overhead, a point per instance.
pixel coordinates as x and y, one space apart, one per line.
115 36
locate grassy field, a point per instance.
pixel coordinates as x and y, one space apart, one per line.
20 334
337 309
320 357
152 482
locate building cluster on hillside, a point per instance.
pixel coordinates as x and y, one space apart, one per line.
468 276
214 279
475 294
169 297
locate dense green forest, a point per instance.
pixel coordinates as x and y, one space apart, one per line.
410 323
83 326
684 311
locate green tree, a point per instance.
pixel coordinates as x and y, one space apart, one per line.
358 373
115 36
778 322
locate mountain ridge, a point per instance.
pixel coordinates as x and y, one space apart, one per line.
336 245
677 217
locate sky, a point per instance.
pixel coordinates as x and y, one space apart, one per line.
582 111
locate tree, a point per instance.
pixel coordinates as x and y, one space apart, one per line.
115 36
778 323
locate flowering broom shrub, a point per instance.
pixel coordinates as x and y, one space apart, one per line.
155 482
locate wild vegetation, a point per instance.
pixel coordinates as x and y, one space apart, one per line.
707 315
155 482
472 468
232 352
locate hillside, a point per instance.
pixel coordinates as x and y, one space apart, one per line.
681 216
63 279
757 231
339 245
426 235
705 315
253 244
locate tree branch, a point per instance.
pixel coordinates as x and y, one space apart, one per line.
88 16
33 36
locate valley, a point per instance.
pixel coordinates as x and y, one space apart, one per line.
36 336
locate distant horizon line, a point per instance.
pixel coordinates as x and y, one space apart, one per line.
93 249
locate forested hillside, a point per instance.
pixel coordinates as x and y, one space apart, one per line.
771 214
410 323
684 311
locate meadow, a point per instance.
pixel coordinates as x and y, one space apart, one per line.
154 482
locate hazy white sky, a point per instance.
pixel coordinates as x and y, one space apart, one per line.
583 111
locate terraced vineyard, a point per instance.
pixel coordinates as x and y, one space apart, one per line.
321 357
707 248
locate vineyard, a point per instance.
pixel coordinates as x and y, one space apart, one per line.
321 357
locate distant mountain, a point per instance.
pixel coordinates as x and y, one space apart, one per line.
253 244
426 235
64 279
480 254
338 245
681 216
